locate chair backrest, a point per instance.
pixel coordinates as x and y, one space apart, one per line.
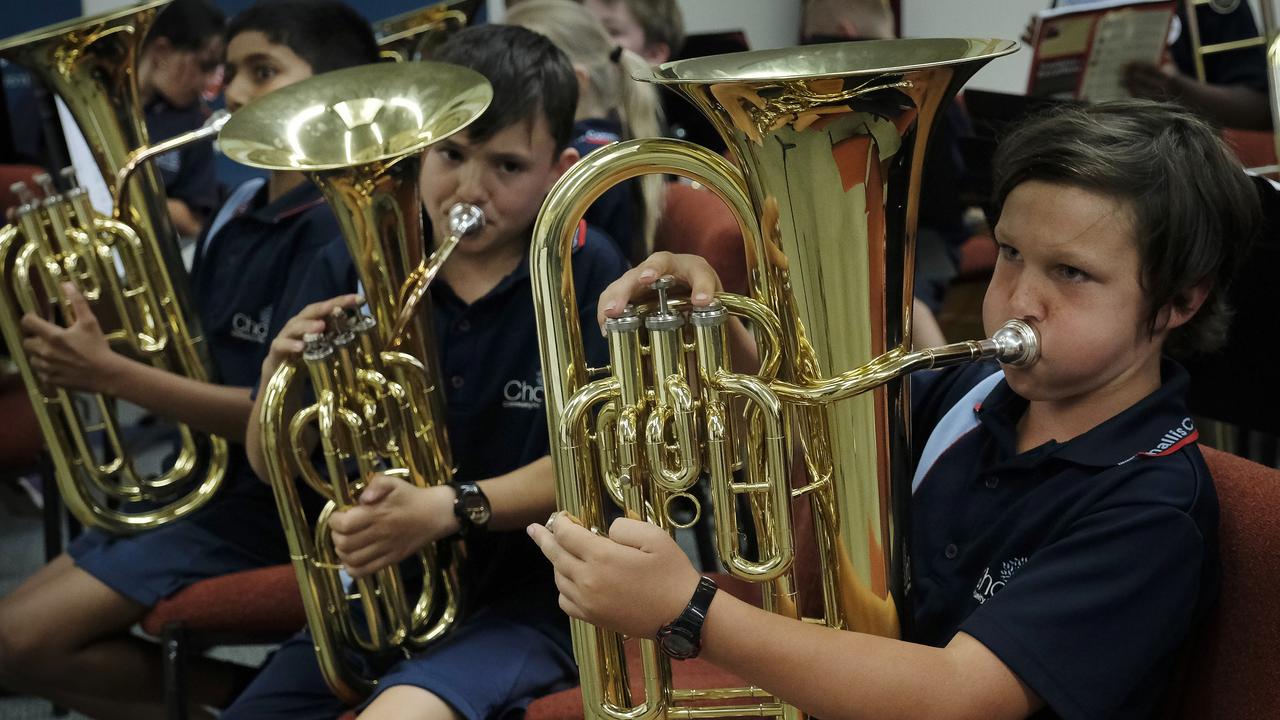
1232 666
10 174
695 221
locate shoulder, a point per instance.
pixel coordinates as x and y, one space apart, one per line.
594 133
1179 480
313 222
596 257
933 392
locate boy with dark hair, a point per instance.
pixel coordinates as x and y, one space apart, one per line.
315 31
513 643
65 633
1057 508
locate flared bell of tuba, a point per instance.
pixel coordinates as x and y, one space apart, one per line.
127 265
376 401
829 142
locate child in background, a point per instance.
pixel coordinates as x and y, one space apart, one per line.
611 107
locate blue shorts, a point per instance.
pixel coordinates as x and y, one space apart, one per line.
492 666
238 530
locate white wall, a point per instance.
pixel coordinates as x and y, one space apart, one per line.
978 18
768 23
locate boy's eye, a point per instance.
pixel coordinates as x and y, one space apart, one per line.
450 154
1072 274
510 167
1009 252
263 73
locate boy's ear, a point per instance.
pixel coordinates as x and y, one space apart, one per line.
1185 306
566 159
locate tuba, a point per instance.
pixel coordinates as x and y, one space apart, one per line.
829 146
414 34
127 266
377 404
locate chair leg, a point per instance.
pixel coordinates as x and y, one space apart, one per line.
52 509
173 647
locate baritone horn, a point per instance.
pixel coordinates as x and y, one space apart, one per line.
126 265
829 144
358 134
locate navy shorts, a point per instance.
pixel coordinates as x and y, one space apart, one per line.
238 530
492 666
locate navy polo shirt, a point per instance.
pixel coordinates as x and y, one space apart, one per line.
617 211
188 172
250 264
492 376
1082 565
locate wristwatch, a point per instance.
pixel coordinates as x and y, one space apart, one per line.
471 507
681 639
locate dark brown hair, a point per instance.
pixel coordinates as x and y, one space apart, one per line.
1194 209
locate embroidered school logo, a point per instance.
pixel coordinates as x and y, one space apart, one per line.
520 394
989 585
244 327
1176 438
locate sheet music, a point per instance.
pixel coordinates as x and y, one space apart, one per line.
1122 37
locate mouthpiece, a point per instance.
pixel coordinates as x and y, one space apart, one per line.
464 219
1017 344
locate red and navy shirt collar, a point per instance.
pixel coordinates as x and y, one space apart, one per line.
296 201
1157 425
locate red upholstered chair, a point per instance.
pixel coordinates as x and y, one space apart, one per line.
1255 148
10 174
1231 667
253 607
695 221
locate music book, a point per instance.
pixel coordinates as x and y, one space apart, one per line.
1081 48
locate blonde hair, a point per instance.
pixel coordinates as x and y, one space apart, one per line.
573 29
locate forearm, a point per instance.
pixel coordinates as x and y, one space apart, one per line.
839 674
186 222
522 496
217 409
1233 106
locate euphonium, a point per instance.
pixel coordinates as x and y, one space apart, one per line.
412 35
127 266
829 144
358 134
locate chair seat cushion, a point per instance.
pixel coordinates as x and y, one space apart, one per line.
260 601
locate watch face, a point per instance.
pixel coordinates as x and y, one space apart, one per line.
676 642
475 506
478 511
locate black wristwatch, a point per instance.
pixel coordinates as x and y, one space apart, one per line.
681 639
471 507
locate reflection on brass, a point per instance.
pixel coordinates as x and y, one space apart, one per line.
359 134
828 144
413 35
128 268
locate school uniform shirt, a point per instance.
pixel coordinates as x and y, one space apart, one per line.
188 172
251 257
252 260
1082 565
496 413
617 211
